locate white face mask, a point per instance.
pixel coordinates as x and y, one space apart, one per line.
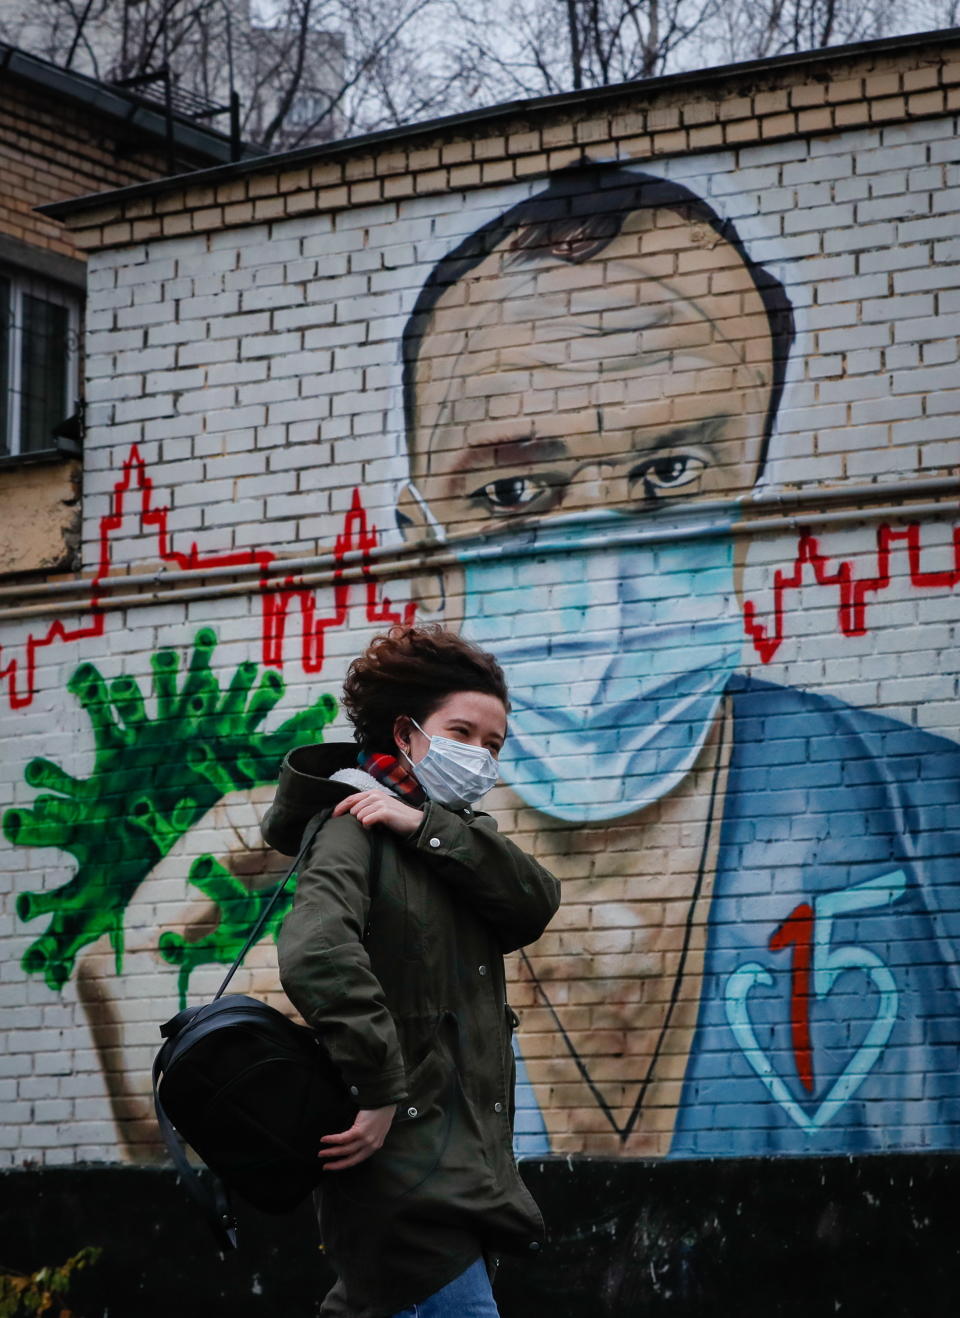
613 700
453 773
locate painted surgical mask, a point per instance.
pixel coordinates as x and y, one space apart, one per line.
616 650
453 773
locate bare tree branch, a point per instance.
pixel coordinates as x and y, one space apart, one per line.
309 70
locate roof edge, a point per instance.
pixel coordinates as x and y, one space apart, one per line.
504 110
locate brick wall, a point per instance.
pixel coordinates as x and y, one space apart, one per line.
724 351
52 149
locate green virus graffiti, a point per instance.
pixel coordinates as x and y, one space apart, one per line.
153 779
240 909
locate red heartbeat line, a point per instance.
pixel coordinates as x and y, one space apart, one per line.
276 597
853 591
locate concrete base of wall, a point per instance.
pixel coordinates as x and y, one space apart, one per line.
768 1238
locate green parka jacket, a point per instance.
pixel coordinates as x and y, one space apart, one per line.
408 994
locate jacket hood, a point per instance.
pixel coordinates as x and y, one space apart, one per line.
303 789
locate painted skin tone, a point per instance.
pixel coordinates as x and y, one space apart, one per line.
639 377
475 718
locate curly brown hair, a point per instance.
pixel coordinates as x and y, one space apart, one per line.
412 670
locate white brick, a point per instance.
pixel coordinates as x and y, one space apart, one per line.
236 418
865 361
930 379
885 409
250 463
813 171
269 345
296 409
173 332
902 356
201 351
121 256
925 429
116 340
894 258
184 379
204 400
924 327
139 409
304 226
896 308
934 276
300 363
228 513
203 263
235 372
917 134
103 388
861 237
917 231
851 337
942 454
852 439
210 307
275 295
239 326
260 251
147 313
803 218
233 239
893 208
305 315
936 353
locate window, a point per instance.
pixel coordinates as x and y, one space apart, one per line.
39 358
307 108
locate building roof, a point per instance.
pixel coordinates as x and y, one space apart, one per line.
489 117
136 119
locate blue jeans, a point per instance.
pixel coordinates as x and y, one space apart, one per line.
467 1296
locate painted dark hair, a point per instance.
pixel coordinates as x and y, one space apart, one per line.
578 215
412 670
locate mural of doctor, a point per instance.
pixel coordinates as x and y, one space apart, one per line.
757 949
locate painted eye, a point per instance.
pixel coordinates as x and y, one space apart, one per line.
510 492
671 471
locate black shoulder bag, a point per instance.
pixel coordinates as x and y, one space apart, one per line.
249 1090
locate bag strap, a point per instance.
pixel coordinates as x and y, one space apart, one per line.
210 1193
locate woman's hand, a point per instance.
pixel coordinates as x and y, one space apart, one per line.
356 1145
375 807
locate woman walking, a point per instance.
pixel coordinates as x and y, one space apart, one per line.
401 974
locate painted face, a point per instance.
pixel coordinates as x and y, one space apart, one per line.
638 376
634 381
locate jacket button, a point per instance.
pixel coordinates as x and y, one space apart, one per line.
434 842
412 1112
354 1091
498 1107
534 1245
481 970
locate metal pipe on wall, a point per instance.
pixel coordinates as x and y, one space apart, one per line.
363 571
309 563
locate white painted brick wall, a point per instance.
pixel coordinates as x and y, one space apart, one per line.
258 372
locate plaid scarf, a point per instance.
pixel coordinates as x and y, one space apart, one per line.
387 769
